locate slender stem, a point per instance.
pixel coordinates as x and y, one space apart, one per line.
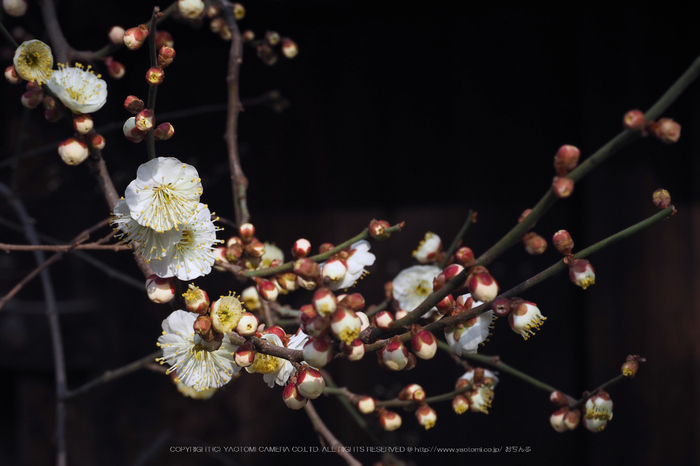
321 428
152 89
239 182
471 216
63 247
59 45
7 36
108 376
495 361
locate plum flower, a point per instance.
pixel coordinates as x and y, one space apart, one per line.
164 194
481 397
475 331
33 61
428 249
412 285
150 244
80 90
274 369
359 258
193 255
188 356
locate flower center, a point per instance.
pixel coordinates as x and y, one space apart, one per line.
423 288
266 364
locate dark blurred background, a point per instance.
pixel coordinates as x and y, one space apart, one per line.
406 111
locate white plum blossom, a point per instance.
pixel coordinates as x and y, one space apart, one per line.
193 255
359 258
188 356
274 369
271 253
80 90
412 285
33 61
428 248
150 244
164 194
475 331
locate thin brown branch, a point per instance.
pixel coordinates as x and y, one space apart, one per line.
64 247
321 428
239 182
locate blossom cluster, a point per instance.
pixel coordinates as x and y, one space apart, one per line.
161 217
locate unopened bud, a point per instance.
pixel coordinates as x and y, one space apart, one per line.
289 48
115 69
426 416
661 198
631 365
32 98
203 327
563 242
377 229
562 186
166 55
566 159
394 356
116 35
133 104
135 37
465 256
272 38
666 130
534 243
248 325
460 404
634 120
15 8
164 39
558 398
366 404
310 383
482 285
160 290
248 36
196 300
318 351
246 232
12 76
191 9
501 307
244 355
52 115
383 320
97 141
354 301
267 290
355 350
73 151
238 11
292 398
581 273
345 325
131 132
163 131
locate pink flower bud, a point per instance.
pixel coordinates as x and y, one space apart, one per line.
366 404
301 248
534 243
334 270
15 8
163 131
394 355
144 120
563 242
631 365
32 98
412 392
557 419
73 151
289 48
345 325
133 104
248 325
318 351
566 159
355 350
306 268
558 398
277 330
482 285
115 69
525 318
135 37
97 141
460 404
131 132
164 39
446 305
160 290
244 355
581 273
292 398
83 123
317 326
196 300
562 186
465 256
53 115
661 197
666 130
412 361
572 419
191 9
11 75
383 320
424 344
426 416
389 420
267 290
377 228
203 327
310 383
155 76
116 35
166 55
354 301
324 302
634 120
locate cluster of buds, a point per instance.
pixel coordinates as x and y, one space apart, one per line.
565 160
665 130
332 318
534 243
218 24
524 317
265 47
581 271
564 418
137 127
307 384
